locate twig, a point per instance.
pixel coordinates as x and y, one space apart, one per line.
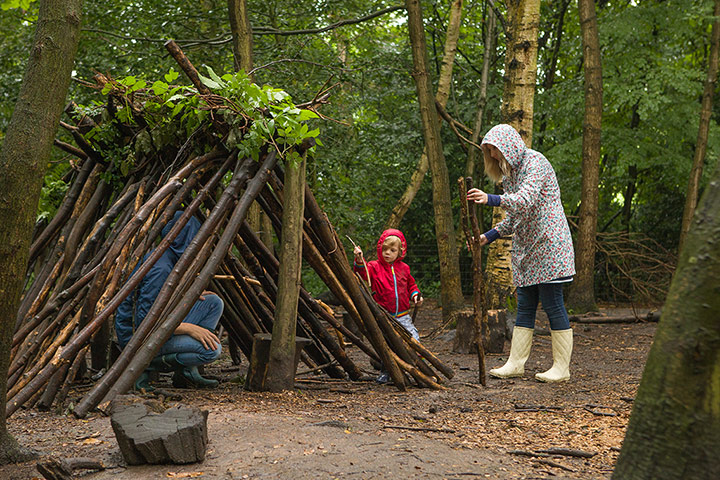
420 429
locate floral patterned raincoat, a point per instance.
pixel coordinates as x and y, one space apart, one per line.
542 249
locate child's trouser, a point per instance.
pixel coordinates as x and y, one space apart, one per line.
406 321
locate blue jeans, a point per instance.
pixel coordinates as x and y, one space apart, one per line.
191 353
551 296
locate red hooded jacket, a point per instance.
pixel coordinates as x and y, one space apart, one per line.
392 284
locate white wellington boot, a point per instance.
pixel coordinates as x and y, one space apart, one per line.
562 345
519 353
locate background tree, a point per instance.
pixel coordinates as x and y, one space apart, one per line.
582 292
702 138
450 293
674 429
523 18
441 97
23 159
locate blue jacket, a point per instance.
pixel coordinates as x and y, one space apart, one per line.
145 294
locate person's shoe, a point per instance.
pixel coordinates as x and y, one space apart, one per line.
519 353
562 345
383 378
166 363
190 377
143 382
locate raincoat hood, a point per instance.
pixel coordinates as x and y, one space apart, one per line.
182 241
506 139
403 244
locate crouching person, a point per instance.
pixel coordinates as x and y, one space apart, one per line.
193 342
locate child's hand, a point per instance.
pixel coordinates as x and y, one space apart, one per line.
358 253
418 300
476 195
482 240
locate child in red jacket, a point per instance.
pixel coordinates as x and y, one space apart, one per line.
392 284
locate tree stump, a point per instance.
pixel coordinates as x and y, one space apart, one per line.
178 435
260 356
494 338
62 469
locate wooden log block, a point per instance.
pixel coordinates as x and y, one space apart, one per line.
260 357
177 435
62 468
493 341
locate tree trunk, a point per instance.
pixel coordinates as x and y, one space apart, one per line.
516 110
241 35
582 292
488 55
674 429
702 138
450 293
24 156
281 367
442 95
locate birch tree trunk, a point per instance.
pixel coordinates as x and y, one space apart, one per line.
702 138
582 292
674 428
442 95
23 159
517 110
450 292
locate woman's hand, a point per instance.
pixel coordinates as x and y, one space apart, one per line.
476 195
482 240
208 339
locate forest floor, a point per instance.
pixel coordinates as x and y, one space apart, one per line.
326 429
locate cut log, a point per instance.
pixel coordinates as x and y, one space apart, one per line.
176 436
62 469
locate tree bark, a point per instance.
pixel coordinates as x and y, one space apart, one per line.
582 292
24 156
450 293
442 95
674 429
516 110
488 55
281 366
702 138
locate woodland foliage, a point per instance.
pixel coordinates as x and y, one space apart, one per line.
654 56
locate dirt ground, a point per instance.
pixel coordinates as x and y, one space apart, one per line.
326 429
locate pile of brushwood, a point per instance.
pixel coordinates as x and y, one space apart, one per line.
210 150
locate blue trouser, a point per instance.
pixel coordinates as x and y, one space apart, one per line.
551 296
191 353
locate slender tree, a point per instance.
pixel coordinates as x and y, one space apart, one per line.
582 292
702 138
674 429
523 19
488 55
23 159
450 293
441 96
281 365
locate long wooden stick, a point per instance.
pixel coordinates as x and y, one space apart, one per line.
473 238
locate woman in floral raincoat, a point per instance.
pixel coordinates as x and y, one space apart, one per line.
542 251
